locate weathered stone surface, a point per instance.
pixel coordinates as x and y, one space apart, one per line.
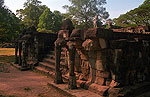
103 74
102 43
85 67
101 90
100 81
92 63
78 33
84 55
99 66
92 54
91 45
98 33
78 44
67 25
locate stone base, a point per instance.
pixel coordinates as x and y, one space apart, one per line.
101 90
20 67
58 78
72 84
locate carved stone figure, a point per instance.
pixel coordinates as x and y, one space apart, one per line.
95 21
61 41
24 40
72 78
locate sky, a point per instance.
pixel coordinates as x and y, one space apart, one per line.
114 7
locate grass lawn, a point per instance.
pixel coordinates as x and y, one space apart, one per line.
7 55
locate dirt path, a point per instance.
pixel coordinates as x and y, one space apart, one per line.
26 84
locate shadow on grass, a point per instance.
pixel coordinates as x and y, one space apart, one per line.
7 59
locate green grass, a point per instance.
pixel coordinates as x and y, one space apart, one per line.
6 56
6 59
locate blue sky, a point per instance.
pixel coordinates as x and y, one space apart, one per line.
114 7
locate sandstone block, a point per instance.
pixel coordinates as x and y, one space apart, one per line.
91 45
100 81
99 65
103 74
92 54
102 43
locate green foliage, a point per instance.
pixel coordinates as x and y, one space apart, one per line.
82 12
9 24
50 22
31 12
1 3
136 17
45 20
38 15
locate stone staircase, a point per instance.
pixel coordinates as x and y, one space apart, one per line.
47 65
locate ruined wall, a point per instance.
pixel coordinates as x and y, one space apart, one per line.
38 46
112 59
137 29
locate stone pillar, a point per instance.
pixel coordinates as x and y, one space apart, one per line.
16 51
58 74
36 44
72 78
24 51
20 50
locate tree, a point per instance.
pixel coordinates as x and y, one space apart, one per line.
31 12
82 12
50 21
136 17
9 24
45 20
57 20
1 3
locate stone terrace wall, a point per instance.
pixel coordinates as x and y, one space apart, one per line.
111 59
45 42
41 45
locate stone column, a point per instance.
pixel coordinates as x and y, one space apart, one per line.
16 51
58 74
36 44
24 51
20 50
72 78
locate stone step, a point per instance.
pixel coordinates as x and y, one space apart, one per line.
49 67
44 71
49 61
49 73
50 56
53 57
52 52
79 92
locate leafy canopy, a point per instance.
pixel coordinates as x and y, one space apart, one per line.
82 12
136 17
9 24
31 12
50 21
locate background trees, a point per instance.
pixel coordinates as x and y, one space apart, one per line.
136 17
31 12
38 15
50 21
9 24
82 12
